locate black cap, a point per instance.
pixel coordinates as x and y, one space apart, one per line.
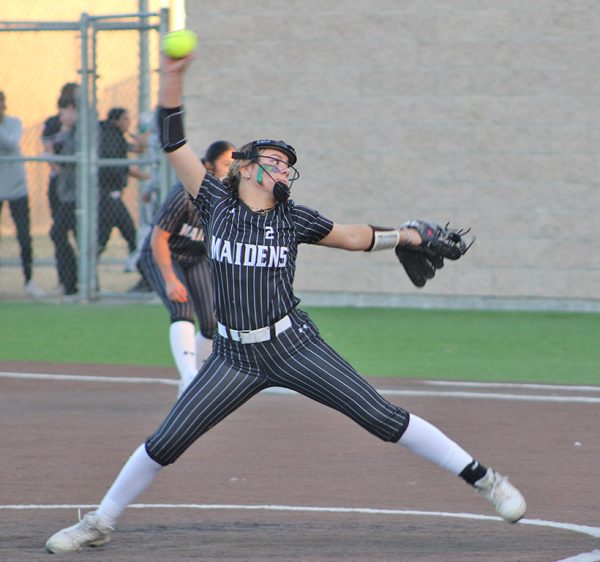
286 148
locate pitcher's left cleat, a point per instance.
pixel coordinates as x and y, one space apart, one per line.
508 502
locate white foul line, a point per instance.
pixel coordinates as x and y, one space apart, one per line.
86 378
578 388
279 390
582 529
593 556
495 396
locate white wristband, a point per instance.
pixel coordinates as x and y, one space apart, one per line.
384 239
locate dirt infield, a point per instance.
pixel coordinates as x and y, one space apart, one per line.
251 488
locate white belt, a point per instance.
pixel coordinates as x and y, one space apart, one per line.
255 336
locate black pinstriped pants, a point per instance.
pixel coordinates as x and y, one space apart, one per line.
298 360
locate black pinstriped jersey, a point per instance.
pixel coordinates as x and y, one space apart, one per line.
178 216
253 255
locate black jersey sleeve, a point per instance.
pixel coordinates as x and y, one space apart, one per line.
311 226
211 191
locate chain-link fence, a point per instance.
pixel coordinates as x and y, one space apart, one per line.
80 170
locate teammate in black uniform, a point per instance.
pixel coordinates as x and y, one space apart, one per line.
175 262
252 232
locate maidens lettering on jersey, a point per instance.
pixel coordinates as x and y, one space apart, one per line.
192 232
251 255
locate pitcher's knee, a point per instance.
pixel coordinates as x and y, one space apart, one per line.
163 455
389 425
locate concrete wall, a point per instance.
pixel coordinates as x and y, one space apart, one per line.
478 112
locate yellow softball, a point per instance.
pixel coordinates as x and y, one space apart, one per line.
179 44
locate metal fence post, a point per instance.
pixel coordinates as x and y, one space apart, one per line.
83 198
144 93
92 184
167 175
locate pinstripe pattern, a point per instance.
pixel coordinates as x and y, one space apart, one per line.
299 360
178 216
189 260
253 256
253 259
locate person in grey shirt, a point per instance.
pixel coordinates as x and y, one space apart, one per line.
13 189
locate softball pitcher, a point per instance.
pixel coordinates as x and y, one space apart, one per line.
252 234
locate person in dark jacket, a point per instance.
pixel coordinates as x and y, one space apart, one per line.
113 213
64 143
58 138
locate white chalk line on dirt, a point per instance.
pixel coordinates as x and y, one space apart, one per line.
534 386
279 390
86 378
495 396
593 556
582 529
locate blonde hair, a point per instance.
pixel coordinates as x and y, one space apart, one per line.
232 181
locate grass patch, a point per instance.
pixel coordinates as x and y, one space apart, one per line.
432 344
472 345
75 333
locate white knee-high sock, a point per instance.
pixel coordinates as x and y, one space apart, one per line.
182 335
429 442
137 475
203 349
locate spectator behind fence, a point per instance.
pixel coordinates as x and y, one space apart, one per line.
65 143
57 129
113 179
13 189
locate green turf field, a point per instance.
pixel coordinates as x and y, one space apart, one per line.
436 344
